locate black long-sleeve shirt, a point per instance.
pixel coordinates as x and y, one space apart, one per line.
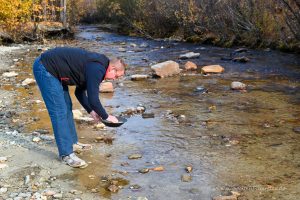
85 69
89 96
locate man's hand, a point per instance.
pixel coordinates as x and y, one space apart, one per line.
112 119
95 116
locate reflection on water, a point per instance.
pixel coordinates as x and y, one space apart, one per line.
231 139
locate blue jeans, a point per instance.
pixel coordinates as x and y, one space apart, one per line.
59 106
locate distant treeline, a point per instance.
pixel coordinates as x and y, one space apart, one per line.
255 23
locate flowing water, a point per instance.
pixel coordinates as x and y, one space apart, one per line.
235 141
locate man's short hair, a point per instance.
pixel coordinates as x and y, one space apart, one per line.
118 59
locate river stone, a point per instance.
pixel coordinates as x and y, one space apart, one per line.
144 45
113 188
142 198
135 156
106 87
122 49
158 169
164 69
235 85
28 81
190 66
148 115
212 69
186 178
297 130
36 139
77 114
234 196
10 74
189 169
58 196
49 193
2 166
3 190
189 55
242 59
3 159
138 77
144 170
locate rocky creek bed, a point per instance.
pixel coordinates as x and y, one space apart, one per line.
231 135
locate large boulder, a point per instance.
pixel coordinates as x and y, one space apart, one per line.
106 87
164 69
212 69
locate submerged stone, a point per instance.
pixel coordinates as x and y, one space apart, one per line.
135 156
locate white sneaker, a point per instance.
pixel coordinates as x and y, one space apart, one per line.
73 161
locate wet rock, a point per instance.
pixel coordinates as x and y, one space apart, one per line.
28 81
158 169
106 87
297 130
135 187
235 85
3 190
239 50
113 188
36 139
135 156
144 45
3 159
27 180
122 49
129 111
212 69
165 69
201 89
47 138
58 196
234 196
49 193
42 131
2 166
190 66
76 192
242 59
108 140
139 77
186 178
124 164
99 126
142 198
133 45
10 74
77 114
99 139
189 55
144 170
189 169
147 115
140 109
